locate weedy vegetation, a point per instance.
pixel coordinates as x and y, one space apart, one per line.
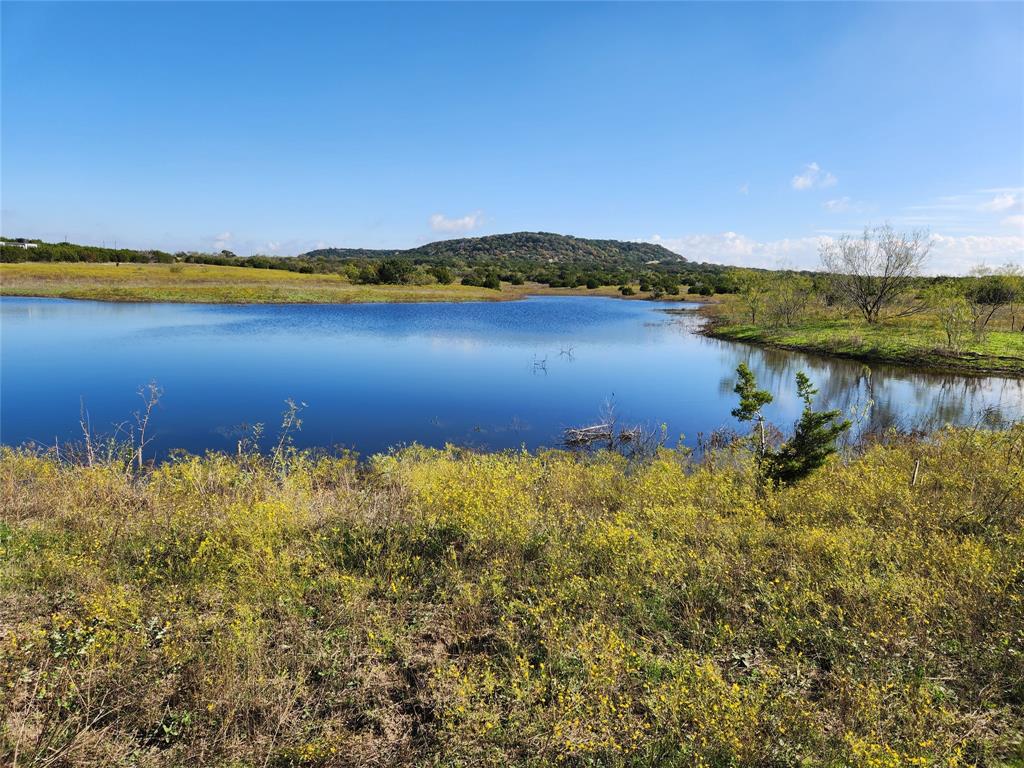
449 608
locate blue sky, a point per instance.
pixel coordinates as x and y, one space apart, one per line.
729 132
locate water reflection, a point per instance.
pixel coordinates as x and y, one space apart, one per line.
489 375
886 396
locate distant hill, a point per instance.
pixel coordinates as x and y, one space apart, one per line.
537 247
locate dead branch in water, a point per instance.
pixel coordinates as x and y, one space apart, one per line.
633 441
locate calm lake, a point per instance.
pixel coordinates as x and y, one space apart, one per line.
374 376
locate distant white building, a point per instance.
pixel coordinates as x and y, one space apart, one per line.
18 245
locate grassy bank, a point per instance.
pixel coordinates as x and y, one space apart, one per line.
450 608
916 341
213 284
210 284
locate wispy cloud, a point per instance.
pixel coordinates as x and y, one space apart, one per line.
812 176
968 213
220 242
744 188
736 249
1004 201
467 223
848 205
838 205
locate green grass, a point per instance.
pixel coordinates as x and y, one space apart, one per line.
916 341
450 608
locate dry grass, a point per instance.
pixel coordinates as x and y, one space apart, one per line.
202 283
211 284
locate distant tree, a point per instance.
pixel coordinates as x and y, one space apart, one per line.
989 292
626 290
813 441
787 297
753 291
872 272
953 312
492 282
592 283
1014 276
442 274
368 275
394 271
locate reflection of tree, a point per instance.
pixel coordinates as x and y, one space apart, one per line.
899 397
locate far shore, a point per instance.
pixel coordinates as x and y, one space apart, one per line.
205 284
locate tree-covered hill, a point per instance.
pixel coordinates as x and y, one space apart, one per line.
537 247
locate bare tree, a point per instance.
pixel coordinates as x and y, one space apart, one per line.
150 394
290 423
873 271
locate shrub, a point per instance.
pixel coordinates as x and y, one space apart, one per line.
442 274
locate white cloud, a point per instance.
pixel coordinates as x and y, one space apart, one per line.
441 223
1010 203
220 242
1002 202
958 255
950 255
813 176
739 250
838 205
744 188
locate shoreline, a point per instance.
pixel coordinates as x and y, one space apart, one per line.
510 296
204 284
926 362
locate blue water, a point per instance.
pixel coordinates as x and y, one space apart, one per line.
375 376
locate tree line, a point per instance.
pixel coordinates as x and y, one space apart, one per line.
878 276
487 268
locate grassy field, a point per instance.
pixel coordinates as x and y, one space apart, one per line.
211 284
448 608
916 340
237 285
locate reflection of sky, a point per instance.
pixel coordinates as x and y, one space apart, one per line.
488 374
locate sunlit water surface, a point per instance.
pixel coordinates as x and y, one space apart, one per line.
374 376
